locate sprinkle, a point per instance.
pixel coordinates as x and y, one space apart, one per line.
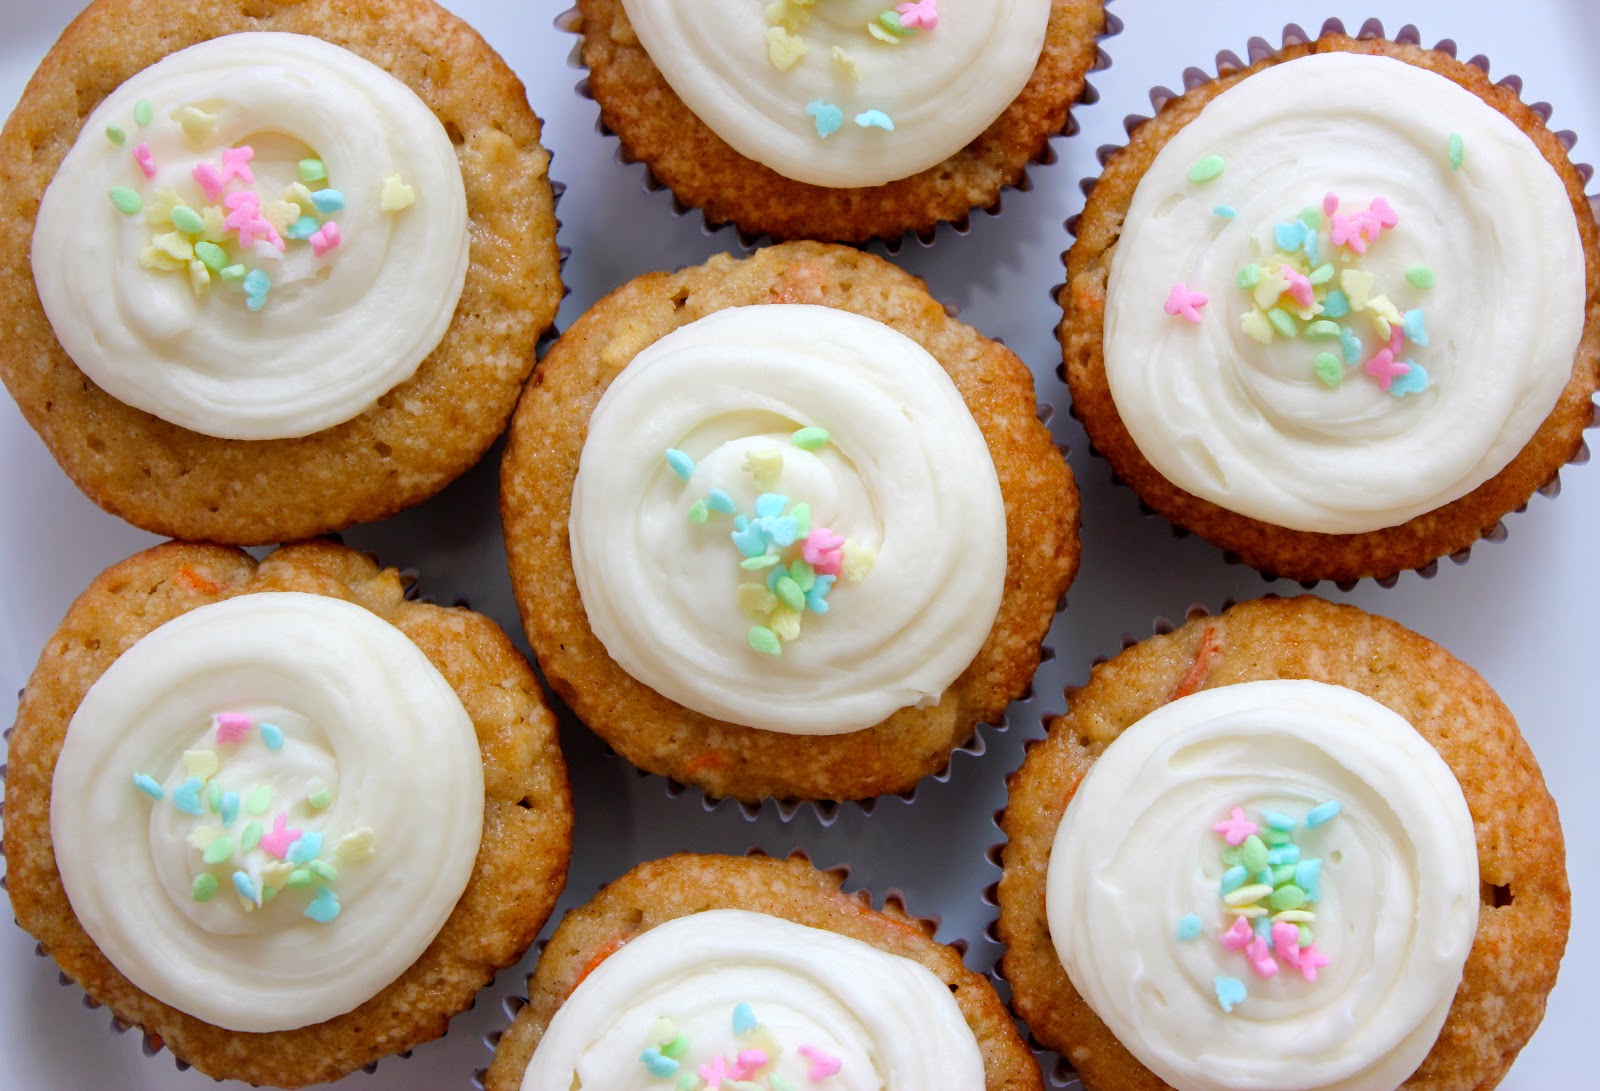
259 799
229 807
218 851
303 228
1322 813
1256 326
1311 960
1322 330
1253 853
143 112
306 849
126 200
324 907
875 119
744 1019
1328 368
311 170
1414 381
764 640
1236 828
1261 959
719 501
115 134
699 513
921 13
212 256
1239 936
1249 276
356 846
715 1071
1299 286
204 887
1206 169
232 726
251 837
678 1046
1282 321
232 273
272 736
1245 895
827 117
1233 879
298 879
1294 916
765 465
1415 328
186 796
278 841
1350 346
1420 276
246 887
146 160
396 195
1188 927
323 870
196 123
1335 304
1321 274
846 63
148 785
1230 991
1289 236
811 439
658 1066
1185 303
326 239
1458 151
1227 212
256 286
235 164
784 49
1284 854
1312 218
327 201
822 1064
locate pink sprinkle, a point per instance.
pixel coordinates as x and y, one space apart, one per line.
1330 204
245 218
1261 958
1181 301
922 13
277 841
1386 216
235 164
748 1064
822 1065
1299 286
1346 231
1397 339
325 238
1286 943
1239 936
233 726
1236 828
822 551
146 161
1310 960
1384 368
209 178
714 1072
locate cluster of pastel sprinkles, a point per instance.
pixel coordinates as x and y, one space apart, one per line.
801 563
1267 889
1314 289
295 859
748 1070
786 46
233 235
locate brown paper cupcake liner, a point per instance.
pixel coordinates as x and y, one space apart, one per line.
570 22
1259 49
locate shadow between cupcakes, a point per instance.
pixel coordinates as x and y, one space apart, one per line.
1309 557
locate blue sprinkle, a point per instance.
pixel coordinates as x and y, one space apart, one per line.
324 907
1264 876
1335 304
681 464
303 228
1230 991
774 574
1278 821
828 117
782 531
1227 212
817 597
244 886
750 541
1188 927
1233 879
744 1019
1263 927
717 500
1284 854
147 784
1322 813
230 807
1414 381
875 119
306 849
1313 247
1289 236
769 505
186 796
256 286
1416 332
1350 345
272 735
740 522
328 200
1308 877
659 1066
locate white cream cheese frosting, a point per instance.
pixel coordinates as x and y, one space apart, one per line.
271 332
1136 873
827 429
763 999
264 811
1308 426
786 83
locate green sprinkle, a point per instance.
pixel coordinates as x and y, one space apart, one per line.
1287 897
1253 854
1249 276
755 564
891 19
1420 276
801 514
1207 169
1311 217
268 894
1306 937
213 257
676 1048
1282 875
1329 368
699 513
311 170
127 201
204 888
143 112
1458 151
1275 838
323 870
1231 856
115 134
232 273
1321 274
218 851
320 799
764 640
251 837
259 799
811 439
779 1083
299 878
1322 329
187 220
789 593
688 1081
1282 321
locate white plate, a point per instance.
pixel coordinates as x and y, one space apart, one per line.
1520 611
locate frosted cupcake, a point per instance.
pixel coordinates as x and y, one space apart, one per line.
782 527
243 298
837 120
279 817
1312 328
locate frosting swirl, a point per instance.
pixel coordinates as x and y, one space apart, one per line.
1281 421
788 84
1136 853
320 820
899 474
729 982
285 240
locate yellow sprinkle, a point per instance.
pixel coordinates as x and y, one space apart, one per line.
158 209
765 465
300 195
1357 286
1380 304
200 763
791 15
280 214
1256 326
201 836
356 846
763 1039
882 34
756 601
857 561
174 244
785 623
274 875
1380 325
1246 894
396 195
199 279
784 49
1305 314
197 124
1295 916
1272 285
1249 912
846 63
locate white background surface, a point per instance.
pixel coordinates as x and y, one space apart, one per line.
1521 611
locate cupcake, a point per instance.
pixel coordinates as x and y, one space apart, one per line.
276 815
781 527
1294 846
838 121
700 971
271 269
1305 319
